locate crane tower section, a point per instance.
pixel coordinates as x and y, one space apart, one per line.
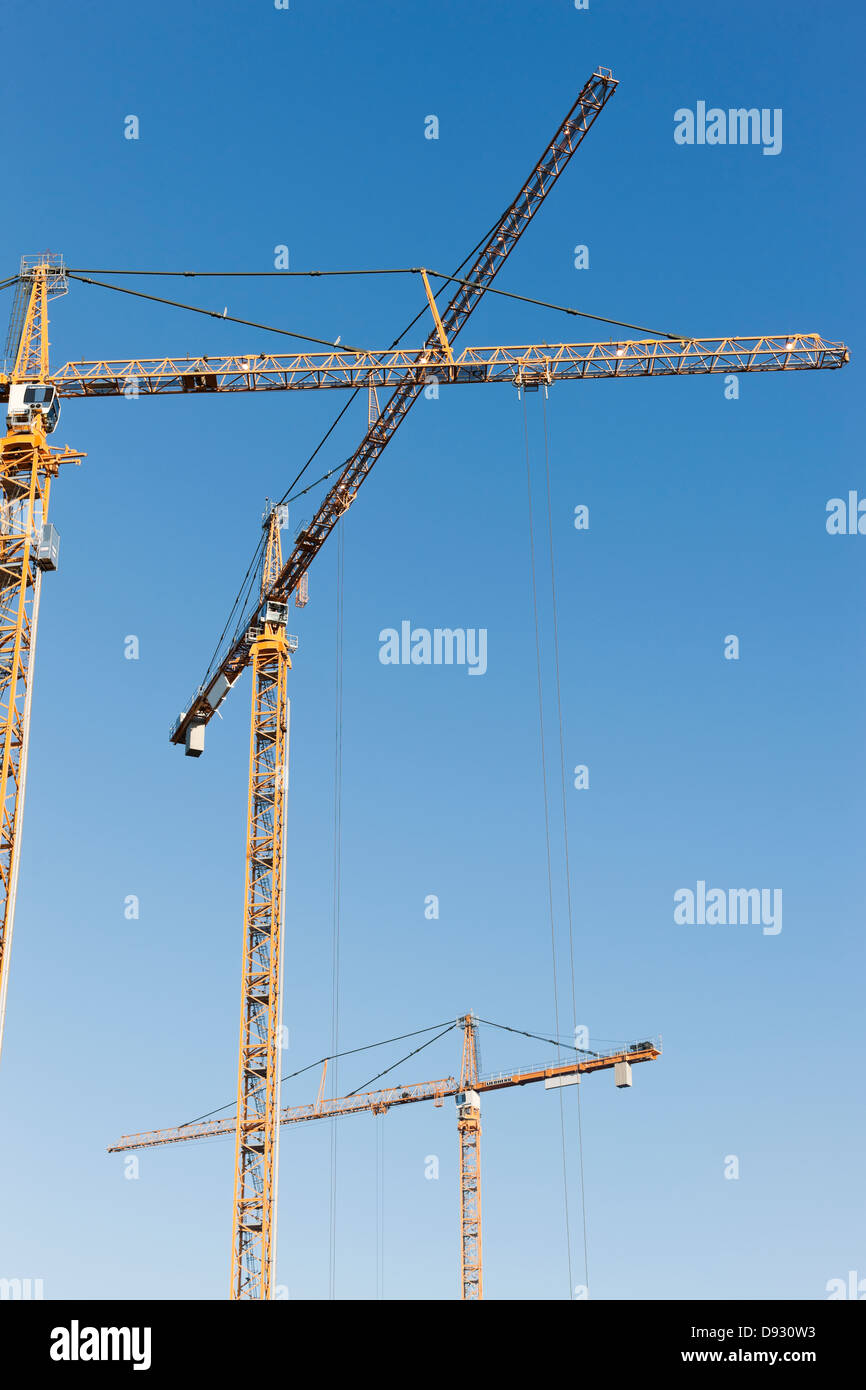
258 1113
469 1140
29 546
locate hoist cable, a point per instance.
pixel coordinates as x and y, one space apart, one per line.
359 1089
455 279
347 1052
239 602
246 274
546 824
214 314
564 820
539 1037
560 308
337 893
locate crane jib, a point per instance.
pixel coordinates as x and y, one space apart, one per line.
378 1102
520 365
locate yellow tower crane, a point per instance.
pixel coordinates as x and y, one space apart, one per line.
467 1093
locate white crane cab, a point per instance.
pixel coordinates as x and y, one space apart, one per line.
31 403
468 1104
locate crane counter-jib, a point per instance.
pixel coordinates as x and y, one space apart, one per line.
645 1052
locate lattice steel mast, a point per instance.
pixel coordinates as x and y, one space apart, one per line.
258 1113
469 1141
28 547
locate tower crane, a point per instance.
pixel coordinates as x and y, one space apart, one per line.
467 1093
28 546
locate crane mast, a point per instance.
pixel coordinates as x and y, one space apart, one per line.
258 1113
469 1142
28 547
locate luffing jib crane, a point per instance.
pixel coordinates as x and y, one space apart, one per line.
467 1093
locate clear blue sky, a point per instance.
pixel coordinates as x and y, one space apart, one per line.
260 127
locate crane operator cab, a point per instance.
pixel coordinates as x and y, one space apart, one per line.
32 405
468 1105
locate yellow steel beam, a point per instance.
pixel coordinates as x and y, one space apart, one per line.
440 328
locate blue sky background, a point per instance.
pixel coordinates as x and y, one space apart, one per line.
306 127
